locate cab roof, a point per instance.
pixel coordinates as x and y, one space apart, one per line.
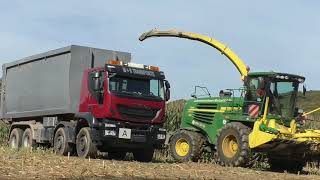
275 75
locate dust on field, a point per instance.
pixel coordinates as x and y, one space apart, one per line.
43 164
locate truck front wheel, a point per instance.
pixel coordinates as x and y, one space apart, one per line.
84 145
143 155
15 139
60 142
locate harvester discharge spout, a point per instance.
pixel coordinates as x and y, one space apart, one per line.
233 57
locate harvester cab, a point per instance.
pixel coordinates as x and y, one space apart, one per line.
264 119
281 90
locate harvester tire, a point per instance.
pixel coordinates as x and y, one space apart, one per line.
15 139
280 165
186 146
233 145
84 145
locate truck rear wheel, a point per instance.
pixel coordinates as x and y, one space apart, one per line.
143 155
186 146
232 145
60 142
84 145
15 139
27 141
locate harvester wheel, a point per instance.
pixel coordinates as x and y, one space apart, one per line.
60 143
232 145
84 145
286 165
15 139
186 146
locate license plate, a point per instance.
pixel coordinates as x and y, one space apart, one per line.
124 133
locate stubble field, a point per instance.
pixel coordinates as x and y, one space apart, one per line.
44 164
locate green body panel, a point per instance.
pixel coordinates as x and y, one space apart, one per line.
207 115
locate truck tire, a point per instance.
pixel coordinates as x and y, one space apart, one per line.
143 155
27 141
186 146
15 139
84 145
60 142
232 145
280 165
117 155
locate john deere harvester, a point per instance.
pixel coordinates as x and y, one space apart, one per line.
262 119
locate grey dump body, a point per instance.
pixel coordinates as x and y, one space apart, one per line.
49 83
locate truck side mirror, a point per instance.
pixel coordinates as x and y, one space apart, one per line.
167 84
96 81
168 94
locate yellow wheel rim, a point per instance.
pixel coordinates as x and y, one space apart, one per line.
230 146
182 147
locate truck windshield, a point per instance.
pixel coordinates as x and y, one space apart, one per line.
283 97
141 88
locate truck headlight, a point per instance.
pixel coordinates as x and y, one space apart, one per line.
161 136
109 125
162 129
109 132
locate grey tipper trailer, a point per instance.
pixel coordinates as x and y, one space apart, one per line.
39 91
49 83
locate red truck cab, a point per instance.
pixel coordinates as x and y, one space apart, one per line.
124 106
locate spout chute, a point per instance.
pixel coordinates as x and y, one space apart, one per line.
234 58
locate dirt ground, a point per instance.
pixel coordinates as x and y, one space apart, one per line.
45 165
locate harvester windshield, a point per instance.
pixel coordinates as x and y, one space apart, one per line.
283 94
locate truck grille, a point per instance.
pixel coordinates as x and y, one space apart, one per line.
137 113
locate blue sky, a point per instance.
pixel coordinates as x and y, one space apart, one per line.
270 35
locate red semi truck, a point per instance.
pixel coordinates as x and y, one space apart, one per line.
80 99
